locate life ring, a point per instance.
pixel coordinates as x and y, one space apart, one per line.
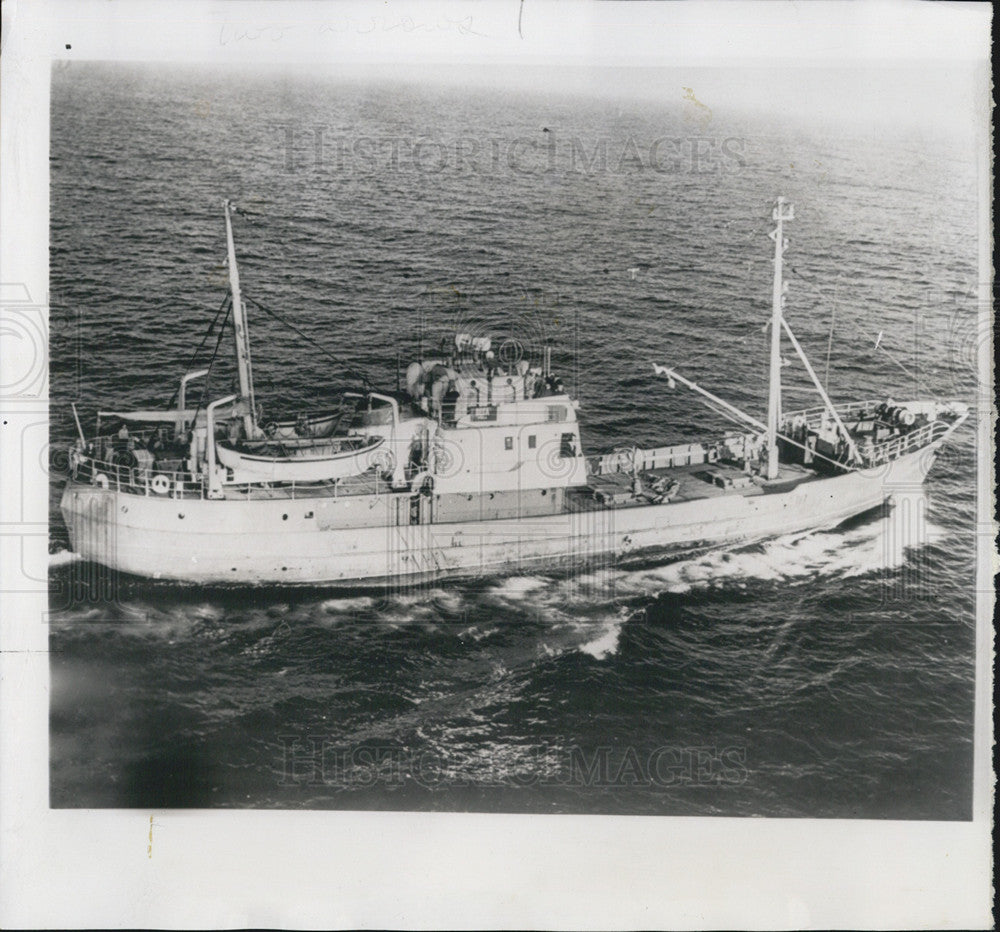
101 480
127 459
384 460
422 484
271 428
160 485
907 418
623 459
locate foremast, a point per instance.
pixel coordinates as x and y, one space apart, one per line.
244 365
783 211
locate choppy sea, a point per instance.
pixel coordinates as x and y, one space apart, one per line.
823 675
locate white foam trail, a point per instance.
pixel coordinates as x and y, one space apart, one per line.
347 604
877 546
207 612
63 558
873 547
518 588
605 642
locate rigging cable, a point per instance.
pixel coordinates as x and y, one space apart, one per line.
354 372
729 416
208 377
226 300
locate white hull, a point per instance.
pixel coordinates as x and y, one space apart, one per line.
302 540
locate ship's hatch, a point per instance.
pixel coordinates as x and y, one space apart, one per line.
724 479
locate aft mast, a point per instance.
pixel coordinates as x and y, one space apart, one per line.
782 211
242 337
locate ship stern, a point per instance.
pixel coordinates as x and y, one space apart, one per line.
89 513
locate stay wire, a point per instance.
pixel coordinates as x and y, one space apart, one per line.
351 371
226 300
208 377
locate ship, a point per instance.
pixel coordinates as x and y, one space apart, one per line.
474 467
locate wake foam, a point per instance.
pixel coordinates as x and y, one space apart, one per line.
576 608
877 546
63 558
606 633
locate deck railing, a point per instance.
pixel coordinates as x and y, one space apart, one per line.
816 415
895 447
136 480
632 459
161 483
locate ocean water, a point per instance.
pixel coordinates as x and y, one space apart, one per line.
823 675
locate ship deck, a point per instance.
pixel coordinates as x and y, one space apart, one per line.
694 482
603 490
615 489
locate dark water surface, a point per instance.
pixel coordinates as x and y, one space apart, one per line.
824 675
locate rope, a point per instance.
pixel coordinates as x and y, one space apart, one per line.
353 372
194 355
215 352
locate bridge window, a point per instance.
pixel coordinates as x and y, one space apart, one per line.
531 441
508 443
557 412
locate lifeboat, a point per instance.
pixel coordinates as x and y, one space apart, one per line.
303 460
305 426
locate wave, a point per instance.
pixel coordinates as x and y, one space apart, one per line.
606 634
63 558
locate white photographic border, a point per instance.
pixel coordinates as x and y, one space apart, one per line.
217 869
